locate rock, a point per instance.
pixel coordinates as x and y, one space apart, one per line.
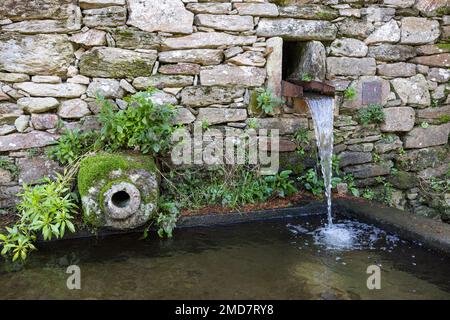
37 105
213 8
199 96
46 79
391 52
22 123
360 100
419 30
437 60
311 61
184 116
378 14
35 9
33 170
249 58
284 125
231 52
398 119
61 90
18 53
79 79
430 49
421 159
384 146
399 69
162 81
274 61
92 4
370 170
257 9
73 109
355 28
226 75
439 75
160 15
33 139
125 85
180 68
296 30
107 88
90 38
225 22
351 66
431 136
431 7
207 40
364 147
8 196
44 121
200 56
412 91
349 47
117 63
105 17
163 98
348 158
7 129
388 32
9 112
14 77
309 11
403 180
219 115
130 38
433 113
399 3
5 176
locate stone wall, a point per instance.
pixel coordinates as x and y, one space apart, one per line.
209 56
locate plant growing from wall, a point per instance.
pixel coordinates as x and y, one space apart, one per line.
301 138
267 102
306 77
371 114
350 93
8 165
72 144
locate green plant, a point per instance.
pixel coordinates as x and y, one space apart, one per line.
142 126
424 125
205 124
368 194
350 93
350 180
444 119
401 151
301 137
267 102
252 123
371 114
281 184
306 77
336 164
72 144
312 182
8 165
376 157
167 217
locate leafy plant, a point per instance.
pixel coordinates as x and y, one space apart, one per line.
142 126
444 118
302 139
281 184
376 157
312 182
8 165
350 180
267 102
335 164
72 144
368 194
167 217
205 124
306 77
372 114
350 93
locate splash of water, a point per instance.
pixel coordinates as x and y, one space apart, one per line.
321 108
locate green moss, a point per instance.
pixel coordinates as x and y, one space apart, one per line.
443 46
98 167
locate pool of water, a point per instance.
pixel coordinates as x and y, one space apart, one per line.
277 259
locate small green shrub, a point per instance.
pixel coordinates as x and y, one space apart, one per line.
368 194
301 138
312 182
267 102
72 144
281 184
372 114
8 165
253 124
306 77
167 217
205 124
350 93
444 119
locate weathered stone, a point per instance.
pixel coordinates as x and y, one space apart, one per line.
430 49
33 139
213 8
90 38
363 147
399 3
427 137
391 52
73 109
92 4
412 91
8 196
35 9
219 115
180 68
398 119
160 15
432 7
207 40
384 146
3 95
5 176
349 47
274 61
9 112
130 38
79 79
117 63
184 116
309 11
224 22
108 88
105 17
419 30
348 158
351 66
37 105
399 69
284 125
389 33
22 123
14 77
162 81
61 90
355 28
438 60
311 61
421 159
249 58
18 53
46 79
433 113
378 14
296 29
44 121
257 9
226 75
163 98
203 96
200 56
360 100
6 129
370 170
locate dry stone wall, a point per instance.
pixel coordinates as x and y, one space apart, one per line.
209 56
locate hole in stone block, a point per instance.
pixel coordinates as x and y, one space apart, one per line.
121 199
